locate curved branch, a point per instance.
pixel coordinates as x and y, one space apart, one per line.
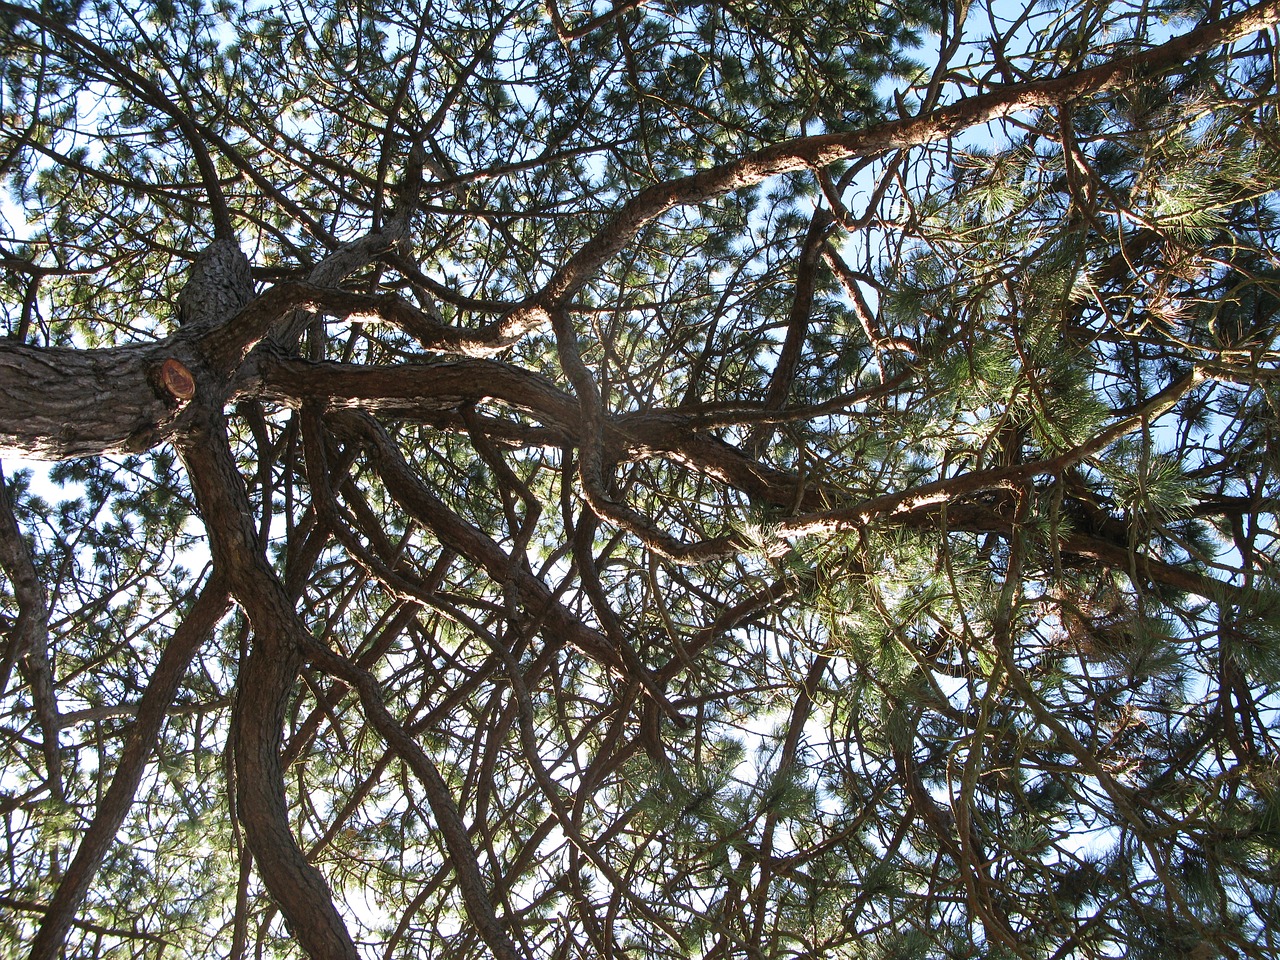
805 153
463 856
265 681
468 541
146 90
788 363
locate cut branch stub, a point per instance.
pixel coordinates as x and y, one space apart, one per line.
177 380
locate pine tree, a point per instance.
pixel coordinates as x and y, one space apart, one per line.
564 480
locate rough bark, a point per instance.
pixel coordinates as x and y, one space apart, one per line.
57 403
218 287
265 682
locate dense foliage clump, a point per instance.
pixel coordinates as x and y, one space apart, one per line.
742 480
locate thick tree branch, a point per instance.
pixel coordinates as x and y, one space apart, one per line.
263 693
451 384
806 153
47 418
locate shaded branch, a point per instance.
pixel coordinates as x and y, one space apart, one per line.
468 541
152 709
263 693
474 891
788 363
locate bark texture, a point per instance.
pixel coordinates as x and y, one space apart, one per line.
58 403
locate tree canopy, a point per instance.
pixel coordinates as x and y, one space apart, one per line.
752 479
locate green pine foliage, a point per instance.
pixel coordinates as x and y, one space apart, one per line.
870 553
